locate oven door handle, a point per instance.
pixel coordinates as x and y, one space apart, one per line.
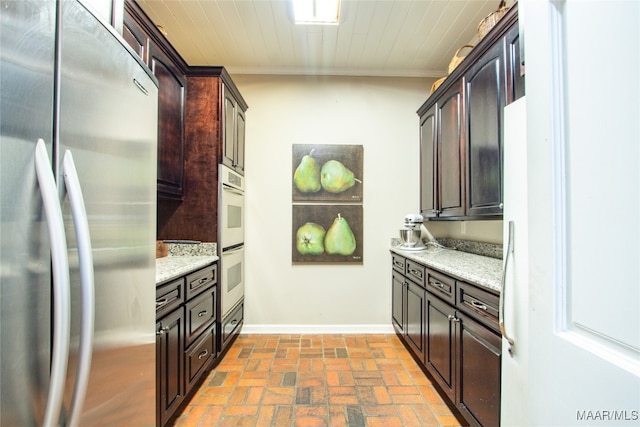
233 250
232 190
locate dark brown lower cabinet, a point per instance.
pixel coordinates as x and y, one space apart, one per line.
478 357
451 328
415 326
441 343
186 338
169 364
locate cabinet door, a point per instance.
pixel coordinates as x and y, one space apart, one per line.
229 129
170 367
485 83
135 36
450 169
240 128
515 76
397 301
415 327
439 358
479 354
171 107
428 164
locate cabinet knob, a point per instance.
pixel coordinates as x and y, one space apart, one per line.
453 318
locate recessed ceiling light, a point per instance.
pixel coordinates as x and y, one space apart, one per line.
323 12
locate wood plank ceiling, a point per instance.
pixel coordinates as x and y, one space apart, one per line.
406 38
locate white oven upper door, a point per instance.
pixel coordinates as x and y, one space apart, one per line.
231 217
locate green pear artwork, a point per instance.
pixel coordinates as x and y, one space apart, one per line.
310 239
325 233
306 177
339 239
327 173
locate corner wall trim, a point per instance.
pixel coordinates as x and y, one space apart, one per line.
317 329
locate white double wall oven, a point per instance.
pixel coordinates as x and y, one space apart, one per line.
231 237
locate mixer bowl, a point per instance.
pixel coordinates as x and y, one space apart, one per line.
410 237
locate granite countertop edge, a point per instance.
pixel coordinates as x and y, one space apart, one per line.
171 267
476 269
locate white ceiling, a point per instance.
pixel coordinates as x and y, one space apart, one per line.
410 38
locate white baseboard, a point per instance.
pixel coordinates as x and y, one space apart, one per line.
317 329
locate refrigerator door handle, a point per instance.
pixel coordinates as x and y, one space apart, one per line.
61 290
87 286
503 329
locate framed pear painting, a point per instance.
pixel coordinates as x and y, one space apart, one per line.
327 173
325 233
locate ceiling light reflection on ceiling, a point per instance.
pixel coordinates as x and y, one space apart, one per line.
323 12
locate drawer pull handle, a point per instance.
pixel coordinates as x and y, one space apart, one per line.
416 272
202 313
234 322
439 285
478 304
164 301
397 264
200 282
203 354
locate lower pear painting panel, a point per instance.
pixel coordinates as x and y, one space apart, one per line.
327 234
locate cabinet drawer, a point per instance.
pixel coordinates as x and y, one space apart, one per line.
201 280
442 286
417 272
231 325
479 304
398 263
201 311
198 356
169 296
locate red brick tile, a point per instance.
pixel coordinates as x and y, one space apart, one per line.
284 414
213 416
343 400
265 415
311 411
335 379
245 410
254 396
384 422
382 395
379 410
409 417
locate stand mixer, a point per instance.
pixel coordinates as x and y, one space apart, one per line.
411 234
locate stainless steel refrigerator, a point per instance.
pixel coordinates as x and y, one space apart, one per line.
77 271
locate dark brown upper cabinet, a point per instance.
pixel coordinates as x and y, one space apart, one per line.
461 128
442 157
170 70
485 99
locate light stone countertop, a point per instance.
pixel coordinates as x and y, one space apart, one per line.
170 267
476 269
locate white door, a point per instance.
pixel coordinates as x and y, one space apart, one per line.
576 324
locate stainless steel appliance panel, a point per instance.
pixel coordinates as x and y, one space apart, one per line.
100 104
108 120
26 110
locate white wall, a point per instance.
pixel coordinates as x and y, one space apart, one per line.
378 113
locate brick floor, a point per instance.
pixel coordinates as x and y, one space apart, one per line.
317 380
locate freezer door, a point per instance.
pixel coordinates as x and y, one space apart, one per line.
26 105
108 120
